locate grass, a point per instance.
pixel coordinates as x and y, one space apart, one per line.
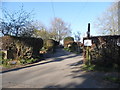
89 67
70 50
112 79
67 49
28 61
8 63
5 62
99 68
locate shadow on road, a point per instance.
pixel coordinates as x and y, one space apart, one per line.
78 78
55 58
89 79
58 53
88 82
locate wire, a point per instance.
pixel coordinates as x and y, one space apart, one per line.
52 4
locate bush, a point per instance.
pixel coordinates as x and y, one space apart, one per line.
68 40
21 47
88 67
73 47
5 62
50 45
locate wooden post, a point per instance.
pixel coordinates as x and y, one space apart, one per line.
88 57
88 32
88 48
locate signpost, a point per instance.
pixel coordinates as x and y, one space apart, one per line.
88 43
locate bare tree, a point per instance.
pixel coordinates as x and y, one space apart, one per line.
59 29
77 36
43 33
40 30
17 23
108 22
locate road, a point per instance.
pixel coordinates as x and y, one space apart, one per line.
62 70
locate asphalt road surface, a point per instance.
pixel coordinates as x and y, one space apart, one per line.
62 70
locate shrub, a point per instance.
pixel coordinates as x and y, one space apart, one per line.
73 47
68 40
21 47
5 62
28 61
56 43
50 45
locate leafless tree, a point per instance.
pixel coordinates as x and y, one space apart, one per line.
17 23
77 36
108 22
42 33
40 30
59 29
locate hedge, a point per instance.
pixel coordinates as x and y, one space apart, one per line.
21 47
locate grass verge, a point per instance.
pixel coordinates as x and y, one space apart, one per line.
112 79
98 68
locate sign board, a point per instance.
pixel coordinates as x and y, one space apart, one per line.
118 42
87 42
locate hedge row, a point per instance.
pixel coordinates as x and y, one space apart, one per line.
104 51
21 47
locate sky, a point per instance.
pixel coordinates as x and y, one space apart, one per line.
78 14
